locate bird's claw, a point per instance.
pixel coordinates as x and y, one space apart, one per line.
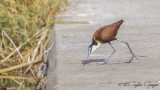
133 55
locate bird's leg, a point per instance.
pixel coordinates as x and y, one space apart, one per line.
133 55
106 60
114 50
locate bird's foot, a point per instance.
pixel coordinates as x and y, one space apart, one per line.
133 55
103 63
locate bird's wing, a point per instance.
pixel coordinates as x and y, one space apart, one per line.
107 33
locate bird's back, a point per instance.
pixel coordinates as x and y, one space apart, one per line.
107 33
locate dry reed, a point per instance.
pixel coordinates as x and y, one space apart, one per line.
25 30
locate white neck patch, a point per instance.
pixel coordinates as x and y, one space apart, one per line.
94 47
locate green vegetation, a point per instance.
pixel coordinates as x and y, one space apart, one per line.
24 33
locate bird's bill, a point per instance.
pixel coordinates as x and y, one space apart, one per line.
89 52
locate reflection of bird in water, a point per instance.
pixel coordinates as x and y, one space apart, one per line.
105 35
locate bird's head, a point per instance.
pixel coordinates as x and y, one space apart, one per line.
93 47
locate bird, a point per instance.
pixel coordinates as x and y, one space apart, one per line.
106 34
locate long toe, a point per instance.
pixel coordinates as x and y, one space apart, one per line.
103 63
135 56
128 61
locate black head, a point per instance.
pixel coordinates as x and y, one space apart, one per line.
92 47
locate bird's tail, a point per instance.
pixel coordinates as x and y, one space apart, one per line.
121 20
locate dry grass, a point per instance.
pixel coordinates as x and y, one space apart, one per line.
24 33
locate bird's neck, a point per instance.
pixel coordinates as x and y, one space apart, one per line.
99 42
94 47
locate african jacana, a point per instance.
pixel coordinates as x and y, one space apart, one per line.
106 34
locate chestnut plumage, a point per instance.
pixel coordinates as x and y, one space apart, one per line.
106 34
